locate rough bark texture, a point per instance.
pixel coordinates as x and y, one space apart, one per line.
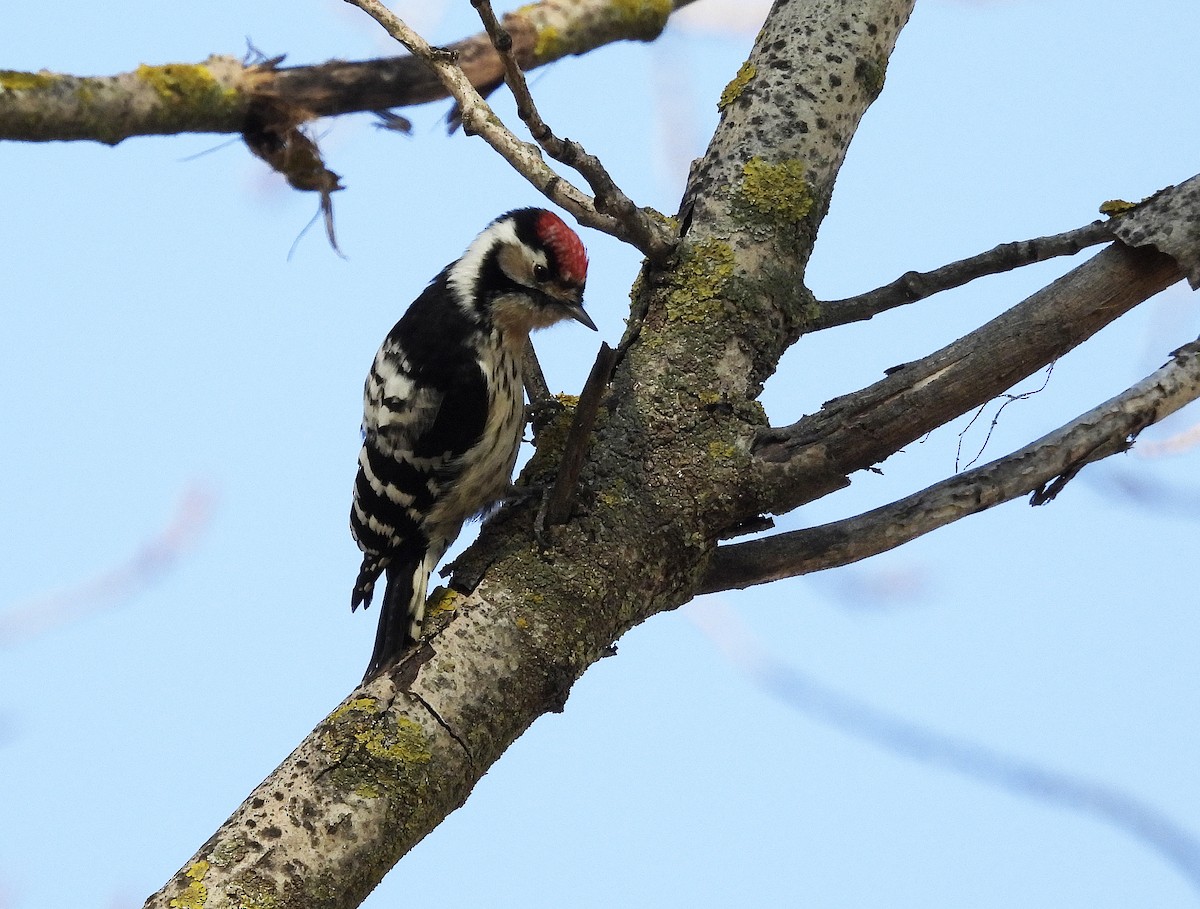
1168 222
1041 468
662 481
858 430
217 95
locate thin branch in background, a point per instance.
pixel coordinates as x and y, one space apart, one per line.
875 588
60 107
153 559
1142 489
913 286
649 235
1008 399
916 742
1180 443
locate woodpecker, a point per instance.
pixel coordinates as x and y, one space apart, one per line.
444 408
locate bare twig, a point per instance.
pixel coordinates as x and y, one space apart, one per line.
1007 399
913 286
562 493
651 234
513 75
1041 468
479 119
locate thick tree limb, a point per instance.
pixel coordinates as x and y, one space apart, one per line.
1103 431
662 479
853 432
914 285
215 95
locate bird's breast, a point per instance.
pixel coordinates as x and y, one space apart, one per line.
486 468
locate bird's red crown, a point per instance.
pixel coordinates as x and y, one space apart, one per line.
565 244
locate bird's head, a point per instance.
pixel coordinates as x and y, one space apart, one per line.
526 270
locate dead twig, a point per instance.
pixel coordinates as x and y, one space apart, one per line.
1040 469
526 158
914 285
609 199
562 494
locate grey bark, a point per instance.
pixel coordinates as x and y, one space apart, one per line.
662 480
1039 470
858 430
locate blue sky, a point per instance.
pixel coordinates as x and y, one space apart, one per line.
167 369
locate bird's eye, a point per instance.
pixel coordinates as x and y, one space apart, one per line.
541 273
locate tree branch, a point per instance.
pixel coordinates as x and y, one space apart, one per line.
562 493
914 285
1040 468
479 119
214 96
813 456
536 388
1167 221
403 751
646 227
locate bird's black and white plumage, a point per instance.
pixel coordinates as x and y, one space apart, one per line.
444 407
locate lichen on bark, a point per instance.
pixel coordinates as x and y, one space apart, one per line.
577 28
667 472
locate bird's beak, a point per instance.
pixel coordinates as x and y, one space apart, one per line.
575 311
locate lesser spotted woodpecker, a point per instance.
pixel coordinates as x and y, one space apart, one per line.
444 408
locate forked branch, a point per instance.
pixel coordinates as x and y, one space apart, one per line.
1041 469
652 238
806 460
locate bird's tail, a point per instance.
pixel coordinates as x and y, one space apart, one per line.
403 609
373 564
